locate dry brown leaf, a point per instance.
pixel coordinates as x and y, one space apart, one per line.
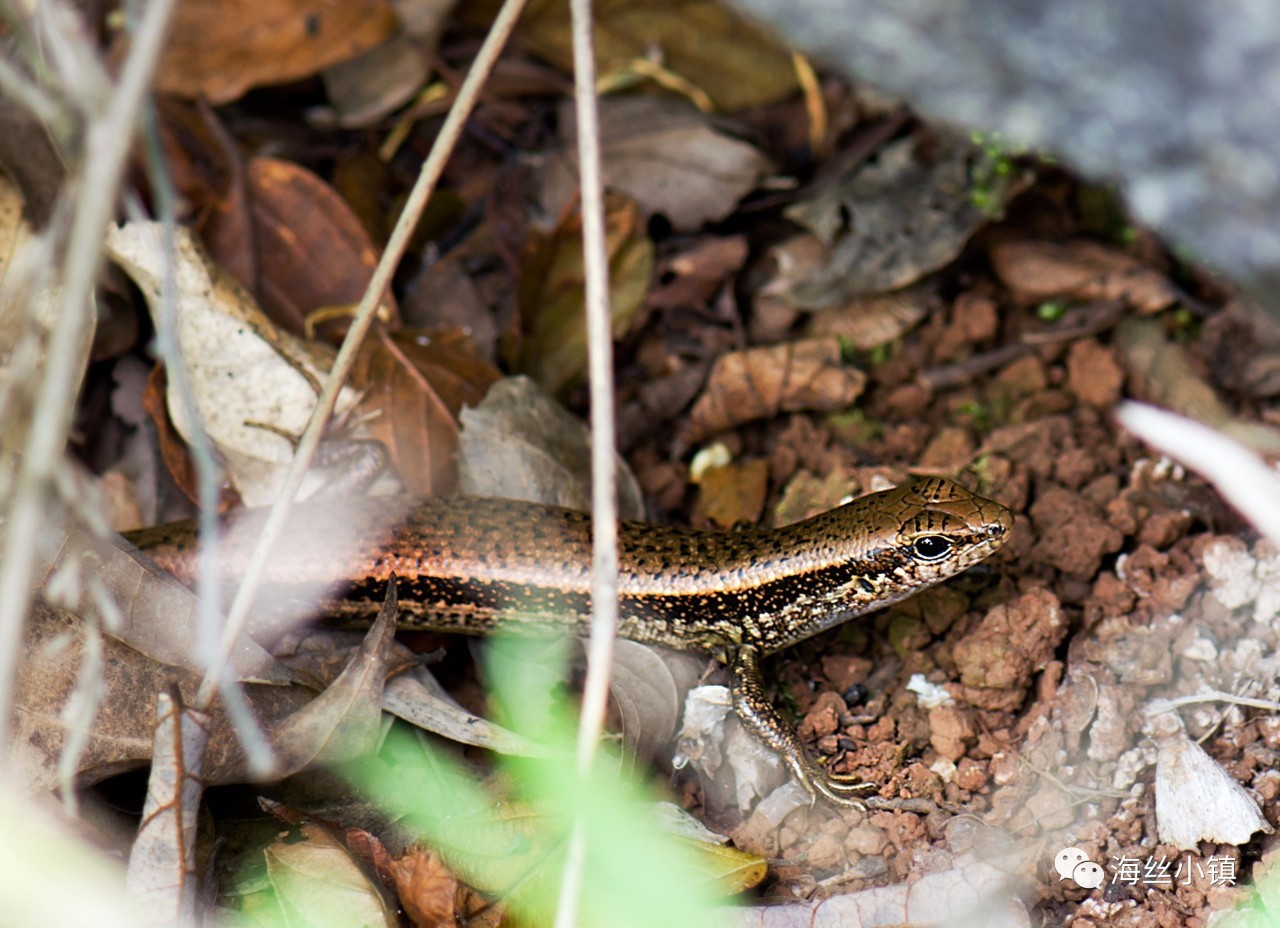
690 278
208 174
761 382
648 687
368 87
306 728
416 385
158 616
342 722
173 450
162 862
245 373
807 495
120 736
426 888
894 220
554 348
662 153
312 250
1080 270
874 320
732 494
719 51
218 49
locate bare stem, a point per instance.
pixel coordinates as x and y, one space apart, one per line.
426 183
107 142
604 505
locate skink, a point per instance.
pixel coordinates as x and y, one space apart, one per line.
469 565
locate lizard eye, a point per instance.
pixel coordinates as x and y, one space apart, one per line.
931 548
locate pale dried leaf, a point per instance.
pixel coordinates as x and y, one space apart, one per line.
420 700
665 155
1196 799
317 882
162 862
244 371
518 443
761 382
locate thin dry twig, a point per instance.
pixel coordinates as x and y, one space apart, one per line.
107 143
604 503
396 245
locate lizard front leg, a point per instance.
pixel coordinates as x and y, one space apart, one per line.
763 721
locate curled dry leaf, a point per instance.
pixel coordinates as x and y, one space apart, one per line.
162 862
426 888
761 382
218 49
413 388
519 443
552 299
245 373
120 737
342 722
705 43
173 450
896 219
663 154
312 251
876 319
1081 270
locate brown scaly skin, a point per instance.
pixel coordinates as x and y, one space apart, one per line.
468 565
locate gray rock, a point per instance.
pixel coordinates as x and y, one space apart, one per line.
1177 101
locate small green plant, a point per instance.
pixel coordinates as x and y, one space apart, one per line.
1051 310
992 171
514 847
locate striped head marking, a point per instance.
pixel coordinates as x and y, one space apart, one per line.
944 528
